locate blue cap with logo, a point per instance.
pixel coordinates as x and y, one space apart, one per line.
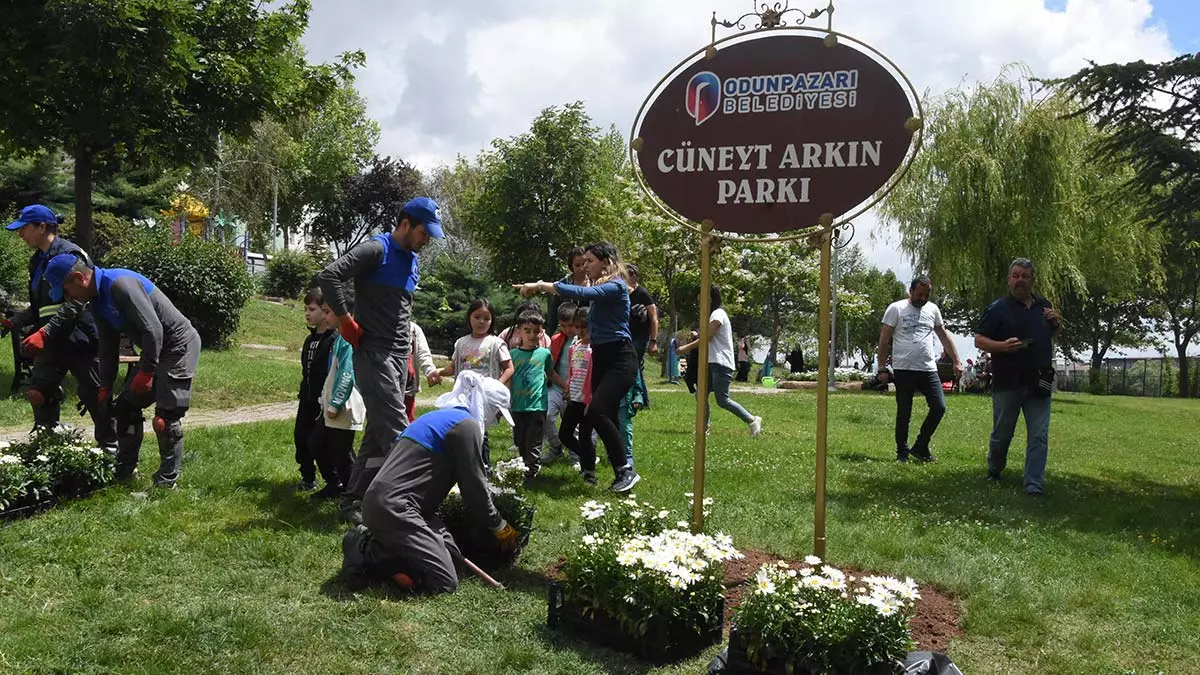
56 272
427 211
35 213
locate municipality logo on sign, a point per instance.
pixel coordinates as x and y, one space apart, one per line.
707 94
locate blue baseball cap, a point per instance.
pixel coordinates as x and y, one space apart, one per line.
427 211
56 272
35 213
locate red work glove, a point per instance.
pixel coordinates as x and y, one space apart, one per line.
103 394
350 330
34 344
7 323
142 382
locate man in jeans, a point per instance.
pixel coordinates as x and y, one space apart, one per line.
1017 331
907 336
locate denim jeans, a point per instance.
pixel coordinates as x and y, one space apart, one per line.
719 379
1006 405
908 382
640 346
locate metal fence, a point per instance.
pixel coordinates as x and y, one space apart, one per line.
1132 377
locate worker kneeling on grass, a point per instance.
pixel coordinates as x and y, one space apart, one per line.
125 302
401 538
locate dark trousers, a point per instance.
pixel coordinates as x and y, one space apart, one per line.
908 382
743 371
49 370
308 418
573 418
614 371
380 377
529 428
333 451
640 347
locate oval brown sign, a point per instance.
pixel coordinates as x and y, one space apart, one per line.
773 132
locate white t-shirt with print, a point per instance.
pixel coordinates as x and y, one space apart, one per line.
482 355
913 339
720 343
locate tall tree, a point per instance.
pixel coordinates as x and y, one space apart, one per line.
144 79
454 188
367 203
1151 114
998 179
1178 300
539 195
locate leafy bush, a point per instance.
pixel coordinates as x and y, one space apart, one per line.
630 565
14 263
206 280
839 375
819 619
109 231
289 274
440 305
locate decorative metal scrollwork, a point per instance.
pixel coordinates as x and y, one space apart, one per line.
774 15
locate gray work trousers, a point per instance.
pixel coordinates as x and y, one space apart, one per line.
380 378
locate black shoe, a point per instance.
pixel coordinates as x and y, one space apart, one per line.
531 474
901 456
330 491
354 571
924 456
589 477
306 485
626 479
993 476
1034 493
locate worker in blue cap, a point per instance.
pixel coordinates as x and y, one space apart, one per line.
384 272
61 333
126 302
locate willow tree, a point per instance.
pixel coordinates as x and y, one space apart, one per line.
998 179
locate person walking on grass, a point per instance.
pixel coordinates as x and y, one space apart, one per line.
560 346
401 539
575 432
909 326
314 366
614 360
721 364
62 333
1018 331
128 303
384 272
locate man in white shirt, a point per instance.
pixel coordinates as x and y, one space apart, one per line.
907 337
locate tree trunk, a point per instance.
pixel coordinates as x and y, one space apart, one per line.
83 198
774 348
1185 379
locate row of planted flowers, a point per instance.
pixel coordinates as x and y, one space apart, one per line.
52 464
637 580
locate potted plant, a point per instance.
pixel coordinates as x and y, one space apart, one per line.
477 545
635 583
52 465
818 619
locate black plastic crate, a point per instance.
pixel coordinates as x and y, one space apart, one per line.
736 662
665 641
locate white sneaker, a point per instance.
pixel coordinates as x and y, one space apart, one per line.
755 427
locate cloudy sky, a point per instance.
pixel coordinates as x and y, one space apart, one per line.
444 78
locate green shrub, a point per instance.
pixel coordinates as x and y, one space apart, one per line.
440 305
206 280
108 232
14 264
289 274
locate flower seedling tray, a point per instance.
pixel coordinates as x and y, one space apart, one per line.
736 662
665 641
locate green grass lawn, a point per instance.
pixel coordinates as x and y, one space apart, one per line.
235 573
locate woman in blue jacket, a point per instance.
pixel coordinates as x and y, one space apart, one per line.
614 360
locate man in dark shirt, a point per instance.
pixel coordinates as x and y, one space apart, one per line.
127 303
1017 330
643 325
384 273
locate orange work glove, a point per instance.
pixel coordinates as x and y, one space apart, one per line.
507 537
350 330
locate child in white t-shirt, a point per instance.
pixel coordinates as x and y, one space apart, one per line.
481 352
